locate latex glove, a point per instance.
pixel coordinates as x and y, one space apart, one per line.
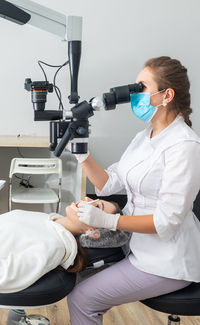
80 157
97 218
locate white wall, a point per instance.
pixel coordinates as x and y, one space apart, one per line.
118 37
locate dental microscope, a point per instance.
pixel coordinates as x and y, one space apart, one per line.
66 125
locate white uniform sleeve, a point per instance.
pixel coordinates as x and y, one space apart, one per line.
180 186
114 183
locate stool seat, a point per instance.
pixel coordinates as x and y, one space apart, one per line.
185 302
49 289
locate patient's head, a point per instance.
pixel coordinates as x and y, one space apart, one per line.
72 223
108 207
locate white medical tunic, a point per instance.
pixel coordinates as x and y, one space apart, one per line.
31 245
162 177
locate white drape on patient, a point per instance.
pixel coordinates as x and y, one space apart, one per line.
30 247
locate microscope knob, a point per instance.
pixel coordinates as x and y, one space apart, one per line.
81 130
97 103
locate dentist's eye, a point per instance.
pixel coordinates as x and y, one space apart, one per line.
144 87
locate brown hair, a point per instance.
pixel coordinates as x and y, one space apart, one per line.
170 73
80 261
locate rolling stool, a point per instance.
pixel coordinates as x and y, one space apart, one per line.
184 302
52 287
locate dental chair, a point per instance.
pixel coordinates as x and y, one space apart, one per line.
51 288
57 284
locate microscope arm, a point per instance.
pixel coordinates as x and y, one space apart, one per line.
65 27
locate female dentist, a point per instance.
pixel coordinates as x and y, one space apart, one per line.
161 175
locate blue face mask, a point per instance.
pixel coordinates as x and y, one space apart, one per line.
141 107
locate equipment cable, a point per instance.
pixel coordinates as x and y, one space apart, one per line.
57 89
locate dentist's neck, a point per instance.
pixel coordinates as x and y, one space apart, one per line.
161 120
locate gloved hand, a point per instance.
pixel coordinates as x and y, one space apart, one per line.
97 218
80 157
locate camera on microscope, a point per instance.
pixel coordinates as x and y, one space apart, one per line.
39 90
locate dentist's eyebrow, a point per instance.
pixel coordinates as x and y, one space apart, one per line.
143 82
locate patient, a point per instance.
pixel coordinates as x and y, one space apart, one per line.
33 243
101 238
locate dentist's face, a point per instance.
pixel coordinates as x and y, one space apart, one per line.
146 76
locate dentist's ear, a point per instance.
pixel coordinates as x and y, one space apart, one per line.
169 95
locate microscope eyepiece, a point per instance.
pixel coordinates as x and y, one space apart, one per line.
136 87
120 95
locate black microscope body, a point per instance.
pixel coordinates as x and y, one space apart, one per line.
73 125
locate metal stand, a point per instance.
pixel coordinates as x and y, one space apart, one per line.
19 317
173 320
34 320
15 316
